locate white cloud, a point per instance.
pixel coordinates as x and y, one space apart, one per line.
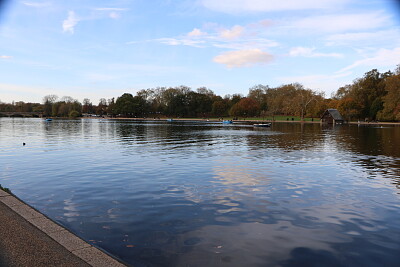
319 82
236 38
343 23
235 32
111 9
363 38
214 41
243 58
114 15
383 58
249 43
196 32
10 92
36 4
181 41
310 52
262 23
240 6
114 12
70 22
5 57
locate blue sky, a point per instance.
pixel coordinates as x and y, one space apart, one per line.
95 49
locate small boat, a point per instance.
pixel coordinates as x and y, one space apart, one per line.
170 120
227 122
48 119
262 125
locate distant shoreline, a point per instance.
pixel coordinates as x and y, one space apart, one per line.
219 120
249 120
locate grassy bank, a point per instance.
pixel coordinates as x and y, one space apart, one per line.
5 189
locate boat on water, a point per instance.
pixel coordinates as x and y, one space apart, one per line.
262 125
227 122
170 120
48 119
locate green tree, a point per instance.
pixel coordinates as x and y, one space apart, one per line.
111 108
48 102
101 108
140 106
220 108
74 114
87 106
125 105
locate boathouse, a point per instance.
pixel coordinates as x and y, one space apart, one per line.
332 116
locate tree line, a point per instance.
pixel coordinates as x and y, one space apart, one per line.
375 96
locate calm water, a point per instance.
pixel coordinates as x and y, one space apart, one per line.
207 194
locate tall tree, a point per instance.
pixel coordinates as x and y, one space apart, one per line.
102 107
48 102
87 106
125 105
246 107
391 105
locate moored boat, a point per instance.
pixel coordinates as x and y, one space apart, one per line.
262 125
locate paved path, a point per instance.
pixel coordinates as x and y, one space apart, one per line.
28 238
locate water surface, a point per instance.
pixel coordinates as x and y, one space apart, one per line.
205 194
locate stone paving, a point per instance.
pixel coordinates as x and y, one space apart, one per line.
28 238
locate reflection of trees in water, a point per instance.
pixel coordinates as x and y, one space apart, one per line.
161 134
287 137
130 133
367 140
376 149
64 130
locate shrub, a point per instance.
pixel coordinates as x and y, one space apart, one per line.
74 114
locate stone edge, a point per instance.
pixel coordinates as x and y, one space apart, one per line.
75 245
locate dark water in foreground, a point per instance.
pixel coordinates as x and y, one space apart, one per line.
206 194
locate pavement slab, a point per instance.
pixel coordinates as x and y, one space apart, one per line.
4 194
29 238
11 201
96 258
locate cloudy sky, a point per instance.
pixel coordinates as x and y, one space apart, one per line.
98 49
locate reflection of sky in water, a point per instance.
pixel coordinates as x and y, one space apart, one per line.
205 194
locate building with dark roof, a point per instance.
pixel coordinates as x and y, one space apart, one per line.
332 116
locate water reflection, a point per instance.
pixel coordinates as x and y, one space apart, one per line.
202 194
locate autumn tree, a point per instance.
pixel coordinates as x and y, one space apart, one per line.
304 99
391 105
220 108
368 95
246 107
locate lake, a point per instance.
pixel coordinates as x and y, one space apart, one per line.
156 193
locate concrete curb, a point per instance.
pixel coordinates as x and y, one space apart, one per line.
81 249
